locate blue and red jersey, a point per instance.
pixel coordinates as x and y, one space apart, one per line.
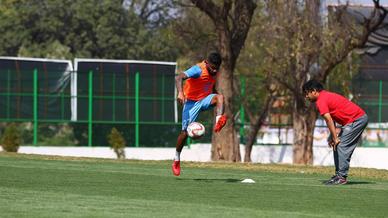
199 83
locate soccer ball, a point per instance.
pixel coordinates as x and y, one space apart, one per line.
195 130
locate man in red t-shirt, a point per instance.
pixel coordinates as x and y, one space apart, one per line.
335 108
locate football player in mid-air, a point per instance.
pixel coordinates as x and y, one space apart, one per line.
198 95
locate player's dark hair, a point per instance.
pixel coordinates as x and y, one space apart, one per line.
215 58
312 85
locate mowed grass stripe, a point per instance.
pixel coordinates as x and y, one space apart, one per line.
200 192
51 205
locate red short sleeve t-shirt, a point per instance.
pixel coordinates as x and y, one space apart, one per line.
341 109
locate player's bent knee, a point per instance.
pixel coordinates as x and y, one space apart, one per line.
220 98
217 99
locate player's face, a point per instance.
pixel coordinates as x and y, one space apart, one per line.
213 69
312 96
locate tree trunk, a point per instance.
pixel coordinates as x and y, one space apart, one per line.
255 128
304 116
232 21
224 143
303 125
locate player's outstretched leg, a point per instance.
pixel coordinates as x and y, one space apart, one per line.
176 165
220 117
176 168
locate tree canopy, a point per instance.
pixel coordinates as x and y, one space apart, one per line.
90 29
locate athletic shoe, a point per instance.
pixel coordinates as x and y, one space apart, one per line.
221 123
338 180
176 168
330 180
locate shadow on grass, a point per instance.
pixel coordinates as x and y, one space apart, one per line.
352 182
213 180
359 182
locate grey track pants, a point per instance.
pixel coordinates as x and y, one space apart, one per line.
350 136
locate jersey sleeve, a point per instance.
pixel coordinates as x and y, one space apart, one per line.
322 107
193 72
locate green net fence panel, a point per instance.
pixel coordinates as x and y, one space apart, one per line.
17 89
138 98
114 90
61 106
371 93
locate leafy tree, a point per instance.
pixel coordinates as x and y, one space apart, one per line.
231 20
13 31
259 94
304 47
153 13
68 29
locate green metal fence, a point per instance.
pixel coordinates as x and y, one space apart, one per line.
133 111
372 96
145 118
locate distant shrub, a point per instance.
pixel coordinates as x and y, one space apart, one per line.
56 135
117 143
10 140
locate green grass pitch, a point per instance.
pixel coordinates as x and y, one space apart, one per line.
44 186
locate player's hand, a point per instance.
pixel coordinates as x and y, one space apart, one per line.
181 98
334 142
330 141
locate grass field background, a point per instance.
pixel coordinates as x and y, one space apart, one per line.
45 186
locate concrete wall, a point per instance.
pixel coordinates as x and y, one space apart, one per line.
323 156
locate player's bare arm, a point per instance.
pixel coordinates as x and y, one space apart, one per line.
334 141
179 86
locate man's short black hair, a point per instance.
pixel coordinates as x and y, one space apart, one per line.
215 58
312 85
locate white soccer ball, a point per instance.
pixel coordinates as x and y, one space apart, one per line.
195 130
